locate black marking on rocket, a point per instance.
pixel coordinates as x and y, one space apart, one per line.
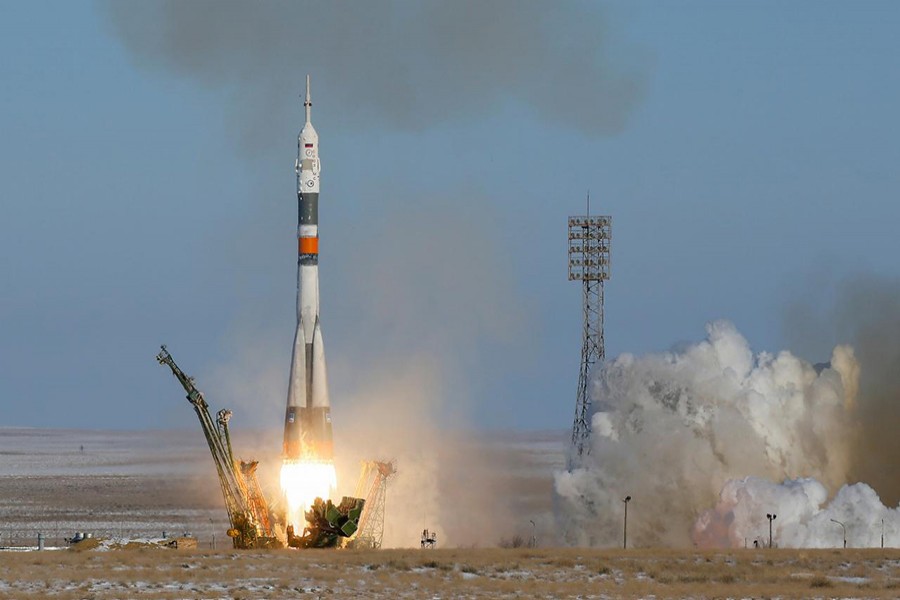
309 215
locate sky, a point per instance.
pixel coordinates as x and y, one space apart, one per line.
746 151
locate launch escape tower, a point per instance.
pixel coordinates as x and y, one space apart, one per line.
589 240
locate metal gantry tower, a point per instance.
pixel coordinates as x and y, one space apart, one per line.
589 241
373 482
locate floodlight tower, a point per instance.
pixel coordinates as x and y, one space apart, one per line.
589 241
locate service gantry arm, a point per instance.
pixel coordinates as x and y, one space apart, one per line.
245 525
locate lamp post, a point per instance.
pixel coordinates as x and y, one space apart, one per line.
626 500
843 529
771 517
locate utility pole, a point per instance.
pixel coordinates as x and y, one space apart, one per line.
626 500
843 529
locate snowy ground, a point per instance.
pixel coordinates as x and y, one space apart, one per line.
143 483
57 482
438 574
123 486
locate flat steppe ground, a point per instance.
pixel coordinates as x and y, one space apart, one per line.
456 573
138 484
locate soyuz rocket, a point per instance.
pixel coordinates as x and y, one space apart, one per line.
307 422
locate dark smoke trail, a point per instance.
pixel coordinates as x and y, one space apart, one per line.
865 313
399 64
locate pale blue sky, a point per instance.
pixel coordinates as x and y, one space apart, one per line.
762 153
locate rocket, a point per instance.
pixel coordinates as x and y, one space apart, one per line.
307 422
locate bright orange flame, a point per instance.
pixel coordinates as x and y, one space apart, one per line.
302 482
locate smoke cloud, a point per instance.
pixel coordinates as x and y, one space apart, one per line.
863 310
671 429
428 313
448 480
803 516
399 64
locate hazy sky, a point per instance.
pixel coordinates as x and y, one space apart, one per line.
744 149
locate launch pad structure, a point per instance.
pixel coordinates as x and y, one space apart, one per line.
253 525
372 486
589 252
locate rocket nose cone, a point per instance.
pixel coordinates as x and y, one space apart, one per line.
308 134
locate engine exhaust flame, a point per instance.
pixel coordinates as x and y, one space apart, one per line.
301 483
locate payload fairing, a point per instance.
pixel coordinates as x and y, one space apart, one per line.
307 423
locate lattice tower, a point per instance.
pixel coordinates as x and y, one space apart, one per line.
589 245
373 483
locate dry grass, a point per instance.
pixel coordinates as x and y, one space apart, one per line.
492 573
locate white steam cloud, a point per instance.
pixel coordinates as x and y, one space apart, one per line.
671 429
803 516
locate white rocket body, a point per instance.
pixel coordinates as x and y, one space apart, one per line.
307 426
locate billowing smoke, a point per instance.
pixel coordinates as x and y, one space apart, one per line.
864 311
429 310
804 518
446 481
405 65
671 429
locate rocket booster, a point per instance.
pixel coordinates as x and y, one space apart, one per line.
307 422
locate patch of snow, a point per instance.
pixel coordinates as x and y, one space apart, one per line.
856 580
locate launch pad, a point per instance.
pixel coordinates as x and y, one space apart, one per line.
253 522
